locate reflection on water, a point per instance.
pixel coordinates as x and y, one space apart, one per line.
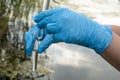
84 73
79 63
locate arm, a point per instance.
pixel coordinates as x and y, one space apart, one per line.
116 29
112 53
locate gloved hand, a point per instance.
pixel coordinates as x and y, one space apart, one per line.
64 25
30 38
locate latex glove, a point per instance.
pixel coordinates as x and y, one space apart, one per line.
30 38
64 25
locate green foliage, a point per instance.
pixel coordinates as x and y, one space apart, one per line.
19 8
12 10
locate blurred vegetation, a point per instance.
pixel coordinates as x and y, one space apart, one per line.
15 13
15 20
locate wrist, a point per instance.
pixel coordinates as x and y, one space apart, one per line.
102 39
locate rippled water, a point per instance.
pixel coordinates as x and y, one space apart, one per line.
72 62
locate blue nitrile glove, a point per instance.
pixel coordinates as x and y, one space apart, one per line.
64 25
30 38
